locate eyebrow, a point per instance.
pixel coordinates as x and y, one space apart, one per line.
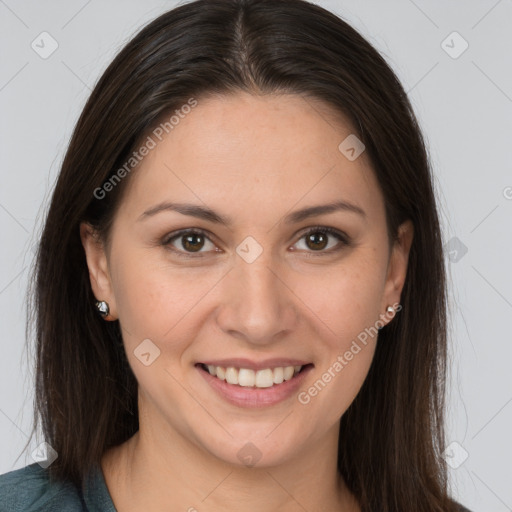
205 213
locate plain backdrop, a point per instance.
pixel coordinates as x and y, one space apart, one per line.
454 59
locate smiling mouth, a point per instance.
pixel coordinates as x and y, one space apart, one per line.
247 378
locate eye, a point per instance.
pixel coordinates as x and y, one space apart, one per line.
189 242
323 239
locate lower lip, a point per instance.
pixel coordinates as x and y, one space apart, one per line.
254 397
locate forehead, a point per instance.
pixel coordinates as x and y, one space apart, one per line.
255 152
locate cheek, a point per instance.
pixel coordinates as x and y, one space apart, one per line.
345 299
154 298
346 304
336 386
156 302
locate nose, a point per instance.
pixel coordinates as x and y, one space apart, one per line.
257 305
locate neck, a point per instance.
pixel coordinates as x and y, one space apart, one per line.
158 469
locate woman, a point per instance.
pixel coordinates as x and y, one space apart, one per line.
240 291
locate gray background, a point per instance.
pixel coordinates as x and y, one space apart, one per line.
464 105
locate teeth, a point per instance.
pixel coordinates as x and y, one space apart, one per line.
249 378
264 378
288 372
246 378
278 375
231 375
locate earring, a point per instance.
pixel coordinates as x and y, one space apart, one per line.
389 310
102 308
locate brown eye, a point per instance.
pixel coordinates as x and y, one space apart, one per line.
192 242
316 241
188 242
323 240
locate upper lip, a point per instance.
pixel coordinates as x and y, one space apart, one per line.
255 365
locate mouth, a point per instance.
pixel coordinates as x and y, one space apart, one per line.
255 387
249 378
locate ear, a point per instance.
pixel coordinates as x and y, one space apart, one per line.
397 268
97 264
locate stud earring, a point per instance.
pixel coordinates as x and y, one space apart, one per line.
390 310
102 308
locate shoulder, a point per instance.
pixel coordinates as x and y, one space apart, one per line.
29 489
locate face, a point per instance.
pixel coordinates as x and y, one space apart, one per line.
219 263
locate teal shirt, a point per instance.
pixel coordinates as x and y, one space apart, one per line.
29 490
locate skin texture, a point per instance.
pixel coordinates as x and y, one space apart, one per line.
254 159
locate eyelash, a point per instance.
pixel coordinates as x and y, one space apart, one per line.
343 239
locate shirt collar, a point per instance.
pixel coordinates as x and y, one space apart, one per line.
96 495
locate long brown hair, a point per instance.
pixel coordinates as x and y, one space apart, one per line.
391 437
